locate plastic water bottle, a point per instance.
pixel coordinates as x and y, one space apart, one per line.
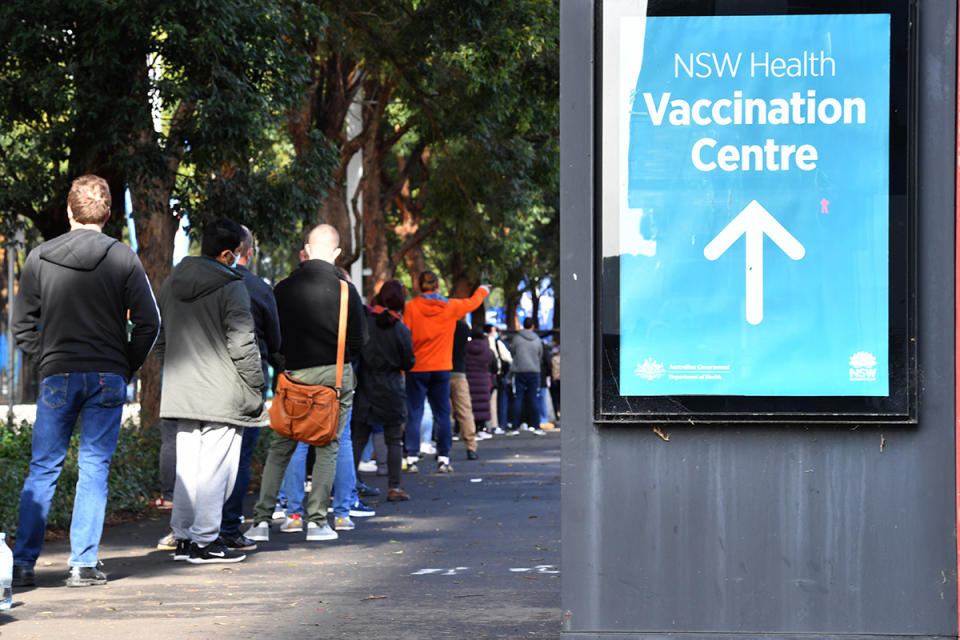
6 573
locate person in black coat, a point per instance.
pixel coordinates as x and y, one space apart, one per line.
480 367
381 393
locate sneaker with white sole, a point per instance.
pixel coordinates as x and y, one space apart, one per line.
367 466
86 577
259 532
443 464
293 524
498 431
167 543
483 435
427 449
343 524
183 550
538 432
361 510
512 432
213 553
320 532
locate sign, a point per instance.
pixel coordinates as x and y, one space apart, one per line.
751 173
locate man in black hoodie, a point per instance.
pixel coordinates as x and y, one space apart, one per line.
71 316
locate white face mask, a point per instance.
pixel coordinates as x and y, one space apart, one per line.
236 259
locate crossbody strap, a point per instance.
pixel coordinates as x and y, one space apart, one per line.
341 334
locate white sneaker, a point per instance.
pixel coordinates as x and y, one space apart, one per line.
279 515
426 449
483 435
167 543
498 431
320 532
524 427
293 524
343 524
367 466
259 532
538 432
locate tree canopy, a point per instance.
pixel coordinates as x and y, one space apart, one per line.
240 108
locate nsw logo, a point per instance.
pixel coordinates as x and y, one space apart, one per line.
863 367
650 369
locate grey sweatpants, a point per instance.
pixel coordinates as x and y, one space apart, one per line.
207 458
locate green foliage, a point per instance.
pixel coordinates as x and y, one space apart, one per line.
132 481
148 94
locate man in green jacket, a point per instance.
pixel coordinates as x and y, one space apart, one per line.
212 384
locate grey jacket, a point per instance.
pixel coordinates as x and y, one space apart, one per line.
527 351
208 346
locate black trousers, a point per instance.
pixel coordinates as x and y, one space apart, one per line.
393 433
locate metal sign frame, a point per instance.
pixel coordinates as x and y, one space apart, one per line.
899 406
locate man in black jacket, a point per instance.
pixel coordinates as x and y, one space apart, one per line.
267 325
71 316
308 302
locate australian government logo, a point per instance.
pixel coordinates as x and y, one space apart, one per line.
863 367
649 370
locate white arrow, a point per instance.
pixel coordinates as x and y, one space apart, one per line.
754 221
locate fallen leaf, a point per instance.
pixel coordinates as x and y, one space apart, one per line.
663 436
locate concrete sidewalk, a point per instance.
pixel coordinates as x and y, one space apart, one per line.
475 554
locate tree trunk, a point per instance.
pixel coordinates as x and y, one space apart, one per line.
156 227
335 212
511 302
535 304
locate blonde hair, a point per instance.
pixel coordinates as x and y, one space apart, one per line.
89 200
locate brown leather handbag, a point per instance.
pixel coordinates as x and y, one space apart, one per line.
311 412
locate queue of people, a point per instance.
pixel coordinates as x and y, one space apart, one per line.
221 327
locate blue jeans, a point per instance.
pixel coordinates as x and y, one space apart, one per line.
293 480
345 478
426 425
435 387
526 399
97 398
233 507
544 414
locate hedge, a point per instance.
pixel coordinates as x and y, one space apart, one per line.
132 481
132 484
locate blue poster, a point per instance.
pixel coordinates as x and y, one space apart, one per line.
754 214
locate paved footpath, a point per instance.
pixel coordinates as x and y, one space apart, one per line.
463 559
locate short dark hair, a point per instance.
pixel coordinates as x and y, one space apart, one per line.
428 281
528 322
487 328
219 235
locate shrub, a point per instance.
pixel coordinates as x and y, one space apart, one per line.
131 483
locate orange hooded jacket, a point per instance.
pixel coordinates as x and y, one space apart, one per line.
432 323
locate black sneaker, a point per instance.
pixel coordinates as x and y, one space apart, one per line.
86 577
23 576
238 542
213 552
472 455
367 492
182 552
